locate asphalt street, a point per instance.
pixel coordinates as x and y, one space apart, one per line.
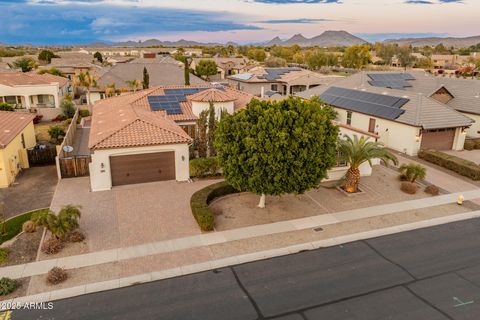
425 274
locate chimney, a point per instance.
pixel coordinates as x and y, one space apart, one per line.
262 92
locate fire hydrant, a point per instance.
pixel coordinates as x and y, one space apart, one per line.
460 200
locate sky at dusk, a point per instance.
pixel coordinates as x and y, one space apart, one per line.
241 21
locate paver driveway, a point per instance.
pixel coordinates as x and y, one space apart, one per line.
33 189
131 215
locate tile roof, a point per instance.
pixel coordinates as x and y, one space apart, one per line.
421 110
12 79
127 120
160 74
211 95
11 124
261 74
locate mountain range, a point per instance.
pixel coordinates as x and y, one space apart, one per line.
327 39
434 41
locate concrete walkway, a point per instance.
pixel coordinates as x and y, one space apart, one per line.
196 241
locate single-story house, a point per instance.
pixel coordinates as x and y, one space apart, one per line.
286 81
406 121
145 136
160 74
226 66
41 94
16 136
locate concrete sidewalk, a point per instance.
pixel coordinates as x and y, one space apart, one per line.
196 241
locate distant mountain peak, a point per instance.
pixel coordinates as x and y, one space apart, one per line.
329 38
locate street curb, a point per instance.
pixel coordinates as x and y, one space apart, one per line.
230 261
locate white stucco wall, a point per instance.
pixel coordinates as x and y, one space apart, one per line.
394 135
101 179
338 173
198 107
474 129
28 90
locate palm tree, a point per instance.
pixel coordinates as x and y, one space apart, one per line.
59 225
87 81
110 90
357 151
412 172
133 84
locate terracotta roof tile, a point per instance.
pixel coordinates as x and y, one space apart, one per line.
211 95
11 124
20 79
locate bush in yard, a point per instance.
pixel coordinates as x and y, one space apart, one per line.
52 246
461 166
37 119
412 172
409 187
477 144
204 167
29 226
6 107
84 113
68 108
55 132
61 224
3 255
469 145
75 236
275 148
7 286
202 198
433 190
56 275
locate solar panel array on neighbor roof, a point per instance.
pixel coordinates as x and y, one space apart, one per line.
397 81
170 101
383 106
276 73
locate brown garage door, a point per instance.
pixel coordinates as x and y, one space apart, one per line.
140 168
438 139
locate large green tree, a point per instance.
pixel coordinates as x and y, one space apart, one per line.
274 148
206 68
46 56
356 57
25 64
146 78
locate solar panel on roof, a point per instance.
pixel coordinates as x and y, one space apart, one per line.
383 106
170 101
397 81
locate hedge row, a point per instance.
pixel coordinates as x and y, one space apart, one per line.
202 198
204 167
461 166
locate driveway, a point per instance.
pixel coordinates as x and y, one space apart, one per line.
32 190
133 214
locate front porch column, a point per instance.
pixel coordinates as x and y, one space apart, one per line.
56 101
27 102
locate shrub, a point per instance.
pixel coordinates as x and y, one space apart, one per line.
202 198
461 166
204 167
3 255
477 144
409 187
469 145
84 113
58 118
7 286
55 132
37 119
75 236
412 171
61 224
29 226
56 275
6 107
433 190
52 246
68 108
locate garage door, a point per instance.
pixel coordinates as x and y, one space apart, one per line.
438 139
140 168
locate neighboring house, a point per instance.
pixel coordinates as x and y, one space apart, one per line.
33 92
159 73
16 136
72 67
145 136
406 121
449 61
286 81
226 66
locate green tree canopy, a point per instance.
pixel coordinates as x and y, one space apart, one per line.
146 78
97 55
356 57
46 56
275 62
257 54
273 148
25 64
206 68
316 59
54 71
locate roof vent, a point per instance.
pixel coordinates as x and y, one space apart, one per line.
6 131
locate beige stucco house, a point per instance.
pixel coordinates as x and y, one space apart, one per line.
31 92
405 120
286 81
226 66
16 136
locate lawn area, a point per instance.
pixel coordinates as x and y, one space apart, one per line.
13 226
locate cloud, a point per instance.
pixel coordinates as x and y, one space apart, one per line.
81 23
302 20
295 1
432 2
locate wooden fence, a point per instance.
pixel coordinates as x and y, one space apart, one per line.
42 156
75 166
